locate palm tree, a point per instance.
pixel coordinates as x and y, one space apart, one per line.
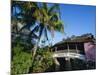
48 19
42 17
24 17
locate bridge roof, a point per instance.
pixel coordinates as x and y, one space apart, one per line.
75 40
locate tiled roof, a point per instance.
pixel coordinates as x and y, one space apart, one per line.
77 39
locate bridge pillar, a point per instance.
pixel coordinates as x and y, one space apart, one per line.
57 64
68 64
76 48
68 47
55 49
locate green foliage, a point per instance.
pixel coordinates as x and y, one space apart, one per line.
43 60
21 61
48 19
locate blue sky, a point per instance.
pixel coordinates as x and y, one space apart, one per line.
77 19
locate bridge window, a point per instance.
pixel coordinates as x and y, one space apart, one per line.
72 46
80 47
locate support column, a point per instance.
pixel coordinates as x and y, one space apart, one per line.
76 48
68 64
68 47
57 64
55 49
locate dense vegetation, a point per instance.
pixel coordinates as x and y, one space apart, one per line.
21 60
29 22
43 60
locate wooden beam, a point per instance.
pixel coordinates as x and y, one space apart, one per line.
76 48
55 49
68 63
57 64
68 47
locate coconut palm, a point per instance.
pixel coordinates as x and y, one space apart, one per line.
22 18
42 17
48 19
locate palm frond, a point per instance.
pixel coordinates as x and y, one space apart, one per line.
41 30
59 26
45 33
54 17
36 29
53 8
45 6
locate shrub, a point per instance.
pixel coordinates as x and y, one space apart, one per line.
43 60
21 61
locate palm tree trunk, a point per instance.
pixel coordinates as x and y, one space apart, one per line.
34 50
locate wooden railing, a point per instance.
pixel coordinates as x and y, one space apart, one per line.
68 53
